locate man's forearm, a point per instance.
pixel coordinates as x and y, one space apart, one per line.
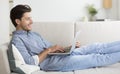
43 55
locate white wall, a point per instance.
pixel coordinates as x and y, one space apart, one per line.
4 21
113 14
64 10
119 9
12 28
59 10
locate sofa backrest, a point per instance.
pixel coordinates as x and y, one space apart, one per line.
98 31
61 33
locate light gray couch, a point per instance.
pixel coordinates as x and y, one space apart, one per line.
62 33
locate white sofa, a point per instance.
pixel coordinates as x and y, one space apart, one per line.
62 33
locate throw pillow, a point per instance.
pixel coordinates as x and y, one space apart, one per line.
21 66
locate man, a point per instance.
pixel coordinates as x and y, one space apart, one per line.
34 49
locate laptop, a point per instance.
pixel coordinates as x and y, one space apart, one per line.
68 50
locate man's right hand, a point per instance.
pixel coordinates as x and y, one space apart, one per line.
44 54
56 48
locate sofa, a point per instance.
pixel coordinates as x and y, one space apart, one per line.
62 33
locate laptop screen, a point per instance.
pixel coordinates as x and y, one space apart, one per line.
74 41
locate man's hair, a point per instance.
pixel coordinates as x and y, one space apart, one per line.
17 12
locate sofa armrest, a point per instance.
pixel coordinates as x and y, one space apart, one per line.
4 65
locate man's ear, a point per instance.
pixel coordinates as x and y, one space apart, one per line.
17 21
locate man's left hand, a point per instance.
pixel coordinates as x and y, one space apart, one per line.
77 44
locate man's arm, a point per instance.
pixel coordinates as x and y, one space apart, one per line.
55 48
24 52
44 54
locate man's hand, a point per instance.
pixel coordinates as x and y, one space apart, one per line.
44 53
56 48
77 44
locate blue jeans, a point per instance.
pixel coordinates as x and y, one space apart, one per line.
94 55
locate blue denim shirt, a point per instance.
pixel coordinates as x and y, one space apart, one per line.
30 44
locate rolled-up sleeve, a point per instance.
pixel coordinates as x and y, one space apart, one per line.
29 59
36 59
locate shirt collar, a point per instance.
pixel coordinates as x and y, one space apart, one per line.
21 32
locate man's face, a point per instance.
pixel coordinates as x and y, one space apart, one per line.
25 22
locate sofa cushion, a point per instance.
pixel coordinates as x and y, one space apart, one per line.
52 72
111 69
18 64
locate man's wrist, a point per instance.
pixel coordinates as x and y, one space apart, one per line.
48 50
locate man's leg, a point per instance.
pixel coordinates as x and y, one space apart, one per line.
112 43
98 48
78 62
